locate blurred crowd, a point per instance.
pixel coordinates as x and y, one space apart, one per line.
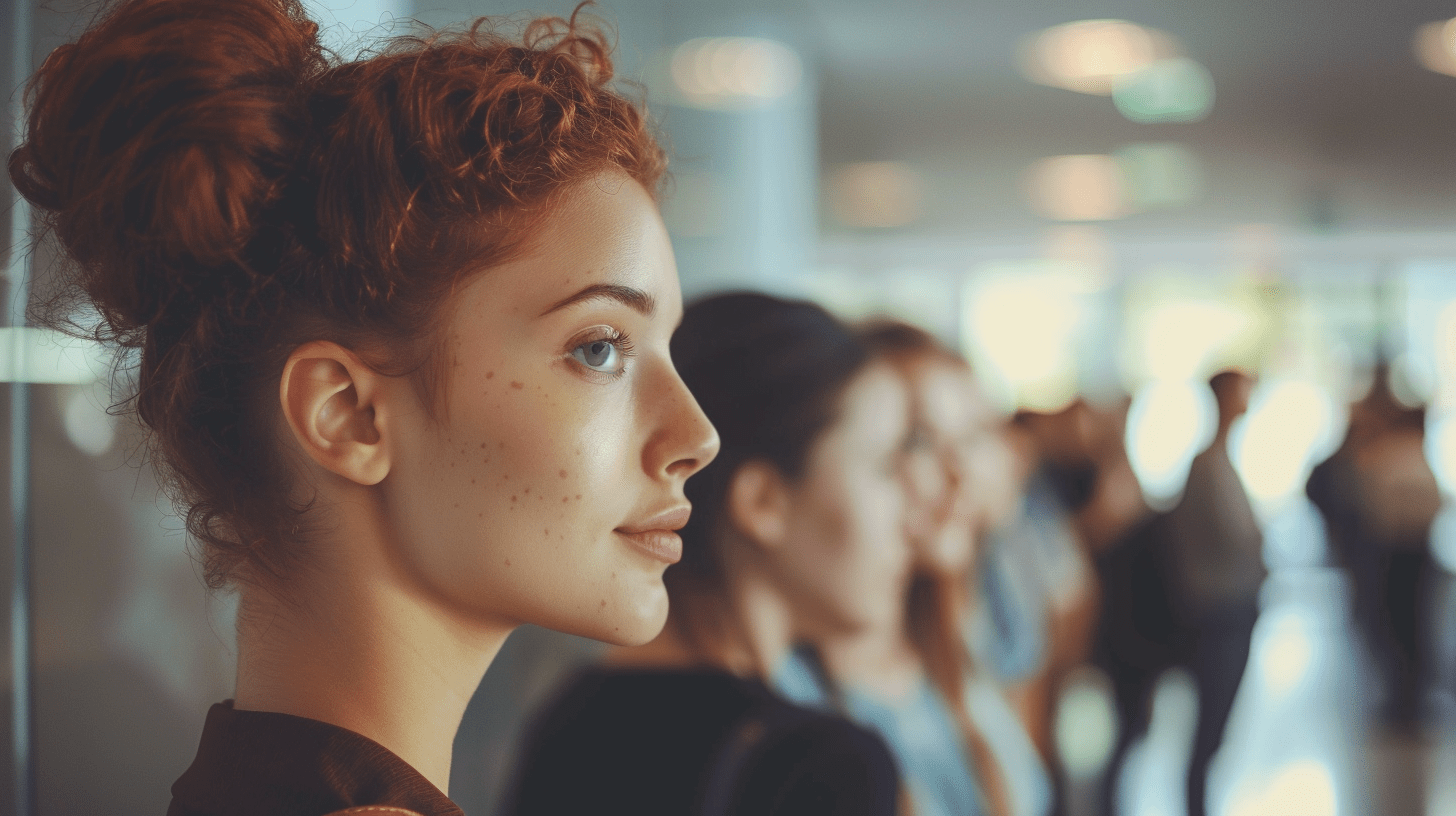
992 596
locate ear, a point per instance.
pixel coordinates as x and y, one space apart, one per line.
759 502
328 396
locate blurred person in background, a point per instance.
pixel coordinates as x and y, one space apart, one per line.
1035 587
1041 583
377 304
796 534
961 748
1379 497
1215 568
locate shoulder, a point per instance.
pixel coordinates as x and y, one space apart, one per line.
817 763
638 739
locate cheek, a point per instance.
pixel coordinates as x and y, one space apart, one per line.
514 508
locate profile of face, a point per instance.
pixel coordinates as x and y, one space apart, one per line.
843 556
958 470
545 487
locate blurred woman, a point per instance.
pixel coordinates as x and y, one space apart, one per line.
961 748
383 312
795 527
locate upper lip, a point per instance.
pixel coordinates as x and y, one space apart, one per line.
673 519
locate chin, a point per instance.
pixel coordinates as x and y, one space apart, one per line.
631 622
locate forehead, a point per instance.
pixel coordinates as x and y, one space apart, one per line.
875 406
946 396
605 230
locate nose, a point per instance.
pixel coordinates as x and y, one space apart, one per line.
685 440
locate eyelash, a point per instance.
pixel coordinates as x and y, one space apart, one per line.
603 334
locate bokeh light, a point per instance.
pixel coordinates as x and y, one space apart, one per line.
1079 188
1091 56
1301 788
1168 424
1291 425
1289 654
728 73
875 194
1435 46
1161 174
89 426
1024 325
1177 89
1086 726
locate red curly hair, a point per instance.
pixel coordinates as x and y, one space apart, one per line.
227 189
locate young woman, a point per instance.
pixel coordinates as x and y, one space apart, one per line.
793 527
403 328
909 675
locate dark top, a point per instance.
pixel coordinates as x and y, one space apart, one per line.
258 763
647 742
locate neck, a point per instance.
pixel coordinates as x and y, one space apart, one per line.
352 643
879 658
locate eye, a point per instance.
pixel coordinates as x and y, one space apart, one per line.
601 355
604 355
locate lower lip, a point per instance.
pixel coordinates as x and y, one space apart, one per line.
664 545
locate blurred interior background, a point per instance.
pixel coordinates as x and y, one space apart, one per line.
1103 205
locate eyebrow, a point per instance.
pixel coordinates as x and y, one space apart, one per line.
626 295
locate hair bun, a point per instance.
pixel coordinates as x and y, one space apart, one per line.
156 139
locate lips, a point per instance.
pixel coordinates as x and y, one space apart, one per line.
657 536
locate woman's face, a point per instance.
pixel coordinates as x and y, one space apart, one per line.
958 470
546 487
845 556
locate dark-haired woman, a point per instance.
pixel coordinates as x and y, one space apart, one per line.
908 676
794 527
404 328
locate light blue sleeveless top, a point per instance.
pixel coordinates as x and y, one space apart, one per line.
920 730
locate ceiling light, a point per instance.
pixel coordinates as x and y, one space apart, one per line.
1090 56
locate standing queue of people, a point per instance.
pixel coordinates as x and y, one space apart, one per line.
830 571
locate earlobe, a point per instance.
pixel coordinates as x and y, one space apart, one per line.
759 502
328 396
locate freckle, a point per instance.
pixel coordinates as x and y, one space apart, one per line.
503 445
563 474
489 374
578 497
565 499
480 515
513 497
528 490
517 385
508 562
457 504
482 446
603 604
472 481
546 530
